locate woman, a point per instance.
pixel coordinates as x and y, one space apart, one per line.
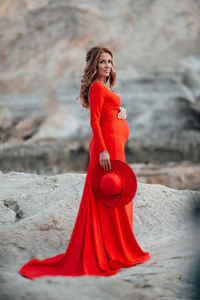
102 240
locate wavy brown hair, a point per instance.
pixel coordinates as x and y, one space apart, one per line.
89 75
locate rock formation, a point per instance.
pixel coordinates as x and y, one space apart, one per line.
37 215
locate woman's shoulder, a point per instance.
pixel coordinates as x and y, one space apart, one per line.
98 85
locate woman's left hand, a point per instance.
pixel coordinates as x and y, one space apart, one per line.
122 113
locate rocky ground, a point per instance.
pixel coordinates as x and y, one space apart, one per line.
37 215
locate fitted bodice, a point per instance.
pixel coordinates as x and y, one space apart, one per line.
104 109
111 105
111 101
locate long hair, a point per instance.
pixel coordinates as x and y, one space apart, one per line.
90 71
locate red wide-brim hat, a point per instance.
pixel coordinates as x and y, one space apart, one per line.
114 187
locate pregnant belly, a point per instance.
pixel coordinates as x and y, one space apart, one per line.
115 133
115 127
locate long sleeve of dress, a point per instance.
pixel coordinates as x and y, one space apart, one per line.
97 96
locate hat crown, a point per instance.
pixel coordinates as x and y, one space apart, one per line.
111 183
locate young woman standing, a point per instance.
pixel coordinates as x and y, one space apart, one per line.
102 240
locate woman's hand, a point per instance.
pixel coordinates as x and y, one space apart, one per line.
104 160
122 113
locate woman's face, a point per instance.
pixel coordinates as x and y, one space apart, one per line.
104 65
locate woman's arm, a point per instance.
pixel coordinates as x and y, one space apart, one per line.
97 96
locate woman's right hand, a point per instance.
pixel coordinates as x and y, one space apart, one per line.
104 160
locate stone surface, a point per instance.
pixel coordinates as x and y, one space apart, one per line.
43 41
39 213
160 114
181 176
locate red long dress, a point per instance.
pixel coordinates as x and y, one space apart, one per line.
102 240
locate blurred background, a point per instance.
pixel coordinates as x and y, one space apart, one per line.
156 46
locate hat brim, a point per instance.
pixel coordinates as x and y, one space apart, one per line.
129 181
